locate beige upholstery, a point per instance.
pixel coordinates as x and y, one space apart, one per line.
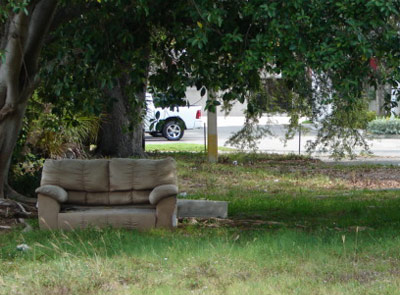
54 191
108 198
48 210
108 189
77 175
127 218
161 192
166 212
142 174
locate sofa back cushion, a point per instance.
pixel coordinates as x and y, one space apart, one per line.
141 174
77 175
109 182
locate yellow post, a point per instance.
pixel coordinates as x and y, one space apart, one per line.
212 135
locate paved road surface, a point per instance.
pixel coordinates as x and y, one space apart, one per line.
385 149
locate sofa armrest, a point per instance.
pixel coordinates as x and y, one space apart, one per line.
53 191
48 210
166 213
161 192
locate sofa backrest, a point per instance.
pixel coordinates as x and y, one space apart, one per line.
77 175
141 174
113 181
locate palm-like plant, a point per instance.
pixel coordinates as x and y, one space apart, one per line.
54 135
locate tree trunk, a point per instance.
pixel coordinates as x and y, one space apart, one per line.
380 98
9 130
21 40
121 133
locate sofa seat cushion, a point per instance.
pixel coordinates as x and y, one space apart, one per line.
108 198
130 218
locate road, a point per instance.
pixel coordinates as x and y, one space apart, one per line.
383 148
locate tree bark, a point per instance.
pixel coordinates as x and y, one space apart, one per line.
380 99
121 133
22 41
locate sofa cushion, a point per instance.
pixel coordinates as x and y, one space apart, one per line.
141 174
108 198
77 175
119 218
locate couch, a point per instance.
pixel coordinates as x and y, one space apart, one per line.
121 193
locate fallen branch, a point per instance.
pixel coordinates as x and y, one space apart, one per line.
13 210
27 226
21 209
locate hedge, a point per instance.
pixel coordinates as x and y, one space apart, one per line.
384 126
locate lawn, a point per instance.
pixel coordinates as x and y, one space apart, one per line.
296 226
180 147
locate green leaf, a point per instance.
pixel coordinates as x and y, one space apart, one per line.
203 91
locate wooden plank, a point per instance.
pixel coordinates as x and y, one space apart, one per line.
202 208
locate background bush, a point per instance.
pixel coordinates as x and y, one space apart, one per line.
363 118
49 131
384 126
370 116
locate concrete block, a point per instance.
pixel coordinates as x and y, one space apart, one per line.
202 208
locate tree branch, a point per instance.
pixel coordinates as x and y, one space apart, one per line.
204 19
40 22
10 70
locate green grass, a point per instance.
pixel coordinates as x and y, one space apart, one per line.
298 226
180 147
201 261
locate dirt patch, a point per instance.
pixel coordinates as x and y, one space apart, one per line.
218 222
359 177
268 159
7 224
13 214
361 276
376 178
251 224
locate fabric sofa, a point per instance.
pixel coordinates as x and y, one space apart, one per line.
127 193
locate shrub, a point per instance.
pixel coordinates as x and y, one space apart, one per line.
363 118
47 133
370 115
25 177
384 126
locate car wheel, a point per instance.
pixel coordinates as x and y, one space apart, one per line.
173 130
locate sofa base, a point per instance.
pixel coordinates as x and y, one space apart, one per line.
117 218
